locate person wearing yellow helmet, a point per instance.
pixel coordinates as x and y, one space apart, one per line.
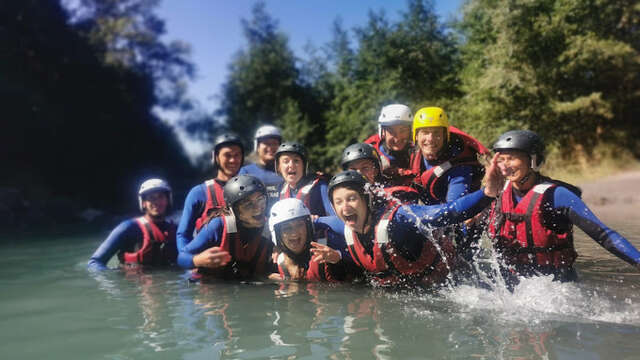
445 160
393 143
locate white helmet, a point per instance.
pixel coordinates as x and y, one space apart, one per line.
394 114
154 185
285 210
266 131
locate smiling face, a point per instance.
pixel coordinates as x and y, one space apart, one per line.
267 148
251 211
514 165
430 141
293 235
396 137
229 161
351 208
155 203
291 168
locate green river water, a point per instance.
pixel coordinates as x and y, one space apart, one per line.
51 307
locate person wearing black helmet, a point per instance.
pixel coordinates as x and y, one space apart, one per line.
205 201
364 159
531 221
292 163
235 245
401 245
148 240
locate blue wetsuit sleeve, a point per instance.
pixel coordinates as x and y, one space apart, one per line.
444 214
243 170
576 211
122 238
335 234
324 194
209 236
459 180
194 205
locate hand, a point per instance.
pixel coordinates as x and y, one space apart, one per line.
324 254
212 258
493 179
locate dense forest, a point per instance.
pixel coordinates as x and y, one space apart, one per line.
83 82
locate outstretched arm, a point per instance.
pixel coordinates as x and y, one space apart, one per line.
580 215
122 238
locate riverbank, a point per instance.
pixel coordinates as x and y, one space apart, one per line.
615 196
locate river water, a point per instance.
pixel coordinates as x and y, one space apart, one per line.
51 307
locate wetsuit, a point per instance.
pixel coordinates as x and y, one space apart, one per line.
560 209
254 263
317 199
395 164
127 237
194 206
408 223
271 180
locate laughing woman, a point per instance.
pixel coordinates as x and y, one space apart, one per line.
234 246
304 253
292 164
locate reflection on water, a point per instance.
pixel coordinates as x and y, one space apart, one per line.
51 307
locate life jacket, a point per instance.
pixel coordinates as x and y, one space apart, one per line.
314 271
387 266
400 176
430 180
214 205
156 246
249 259
303 194
405 194
519 231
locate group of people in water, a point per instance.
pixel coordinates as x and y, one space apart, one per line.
408 209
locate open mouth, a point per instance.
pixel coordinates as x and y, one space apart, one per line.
350 219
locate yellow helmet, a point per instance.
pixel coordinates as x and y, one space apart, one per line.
430 117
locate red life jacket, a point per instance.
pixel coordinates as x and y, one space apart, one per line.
249 259
430 179
215 202
314 272
303 194
156 246
521 235
405 194
400 176
387 266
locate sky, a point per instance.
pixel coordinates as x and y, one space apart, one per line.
213 29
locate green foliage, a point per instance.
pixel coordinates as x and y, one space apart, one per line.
568 69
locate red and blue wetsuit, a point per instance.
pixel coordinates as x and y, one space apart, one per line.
455 174
405 244
395 164
312 190
202 198
138 241
250 250
534 230
338 272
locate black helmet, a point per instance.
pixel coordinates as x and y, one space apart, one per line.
346 177
291 147
227 138
525 141
359 151
240 187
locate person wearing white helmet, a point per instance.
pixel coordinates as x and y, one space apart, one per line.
146 240
265 145
206 201
393 142
303 253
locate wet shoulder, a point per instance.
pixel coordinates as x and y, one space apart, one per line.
332 223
